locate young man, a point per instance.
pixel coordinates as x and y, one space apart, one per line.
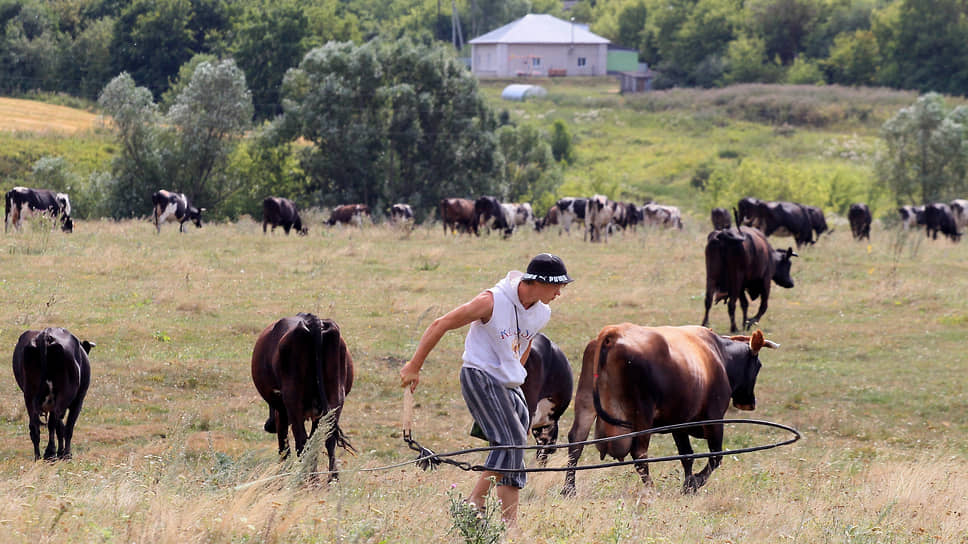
503 320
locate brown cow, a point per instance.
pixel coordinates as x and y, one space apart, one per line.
278 211
740 261
349 214
301 367
550 218
635 378
459 215
53 371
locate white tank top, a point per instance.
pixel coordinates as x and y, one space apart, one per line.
496 347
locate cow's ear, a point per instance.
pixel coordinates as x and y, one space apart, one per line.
87 346
756 341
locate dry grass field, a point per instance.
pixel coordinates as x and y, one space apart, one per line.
19 115
170 448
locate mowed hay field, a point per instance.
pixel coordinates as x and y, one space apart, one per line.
169 446
19 115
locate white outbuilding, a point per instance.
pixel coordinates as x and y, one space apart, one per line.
520 92
539 45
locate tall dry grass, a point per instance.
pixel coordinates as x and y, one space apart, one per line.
169 445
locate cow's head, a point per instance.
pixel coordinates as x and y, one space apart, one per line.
67 224
743 366
297 224
195 216
781 267
544 428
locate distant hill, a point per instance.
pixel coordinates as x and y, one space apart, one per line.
17 115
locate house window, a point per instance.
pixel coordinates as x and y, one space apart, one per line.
535 61
581 61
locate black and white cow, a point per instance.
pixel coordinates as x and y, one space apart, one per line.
911 216
23 202
658 215
571 210
959 209
168 206
401 214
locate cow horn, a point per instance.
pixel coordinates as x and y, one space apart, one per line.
791 253
770 344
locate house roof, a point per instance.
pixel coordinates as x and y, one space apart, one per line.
533 28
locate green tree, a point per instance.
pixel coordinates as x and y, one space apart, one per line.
31 49
692 38
208 119
783 25
854 59
747 61
136 169
271 37
926 156
152 39
561 142
91 66
389 121
923 45
528 171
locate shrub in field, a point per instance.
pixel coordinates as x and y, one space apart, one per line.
475 525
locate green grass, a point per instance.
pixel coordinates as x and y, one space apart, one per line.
870 370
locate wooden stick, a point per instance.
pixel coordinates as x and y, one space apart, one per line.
407 410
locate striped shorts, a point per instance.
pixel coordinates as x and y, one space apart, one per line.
502 414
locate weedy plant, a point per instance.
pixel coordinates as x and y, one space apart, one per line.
475 525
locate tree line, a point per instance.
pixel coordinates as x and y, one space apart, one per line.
378 123
78 46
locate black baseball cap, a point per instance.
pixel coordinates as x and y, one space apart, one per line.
547 268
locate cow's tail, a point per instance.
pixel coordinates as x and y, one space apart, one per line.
605 345
326 337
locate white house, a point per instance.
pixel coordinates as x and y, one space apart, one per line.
539 45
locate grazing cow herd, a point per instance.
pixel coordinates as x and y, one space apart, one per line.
938 217
632 377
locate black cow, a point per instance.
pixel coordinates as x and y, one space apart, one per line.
747 211
740 261
458 214
817 221
547 390
938 218
780 218
278 211
23 202
635 378
571 210
720 218
859 217
301 367
53 371
168 206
